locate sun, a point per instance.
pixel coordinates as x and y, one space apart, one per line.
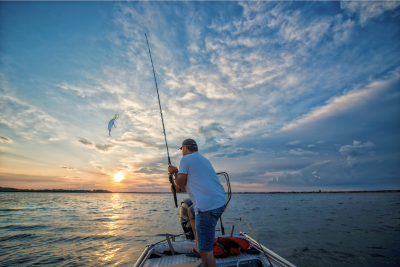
118 177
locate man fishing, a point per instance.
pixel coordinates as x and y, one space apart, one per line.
197 177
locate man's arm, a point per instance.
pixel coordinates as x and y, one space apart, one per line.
180 179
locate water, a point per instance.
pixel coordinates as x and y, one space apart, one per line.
66 229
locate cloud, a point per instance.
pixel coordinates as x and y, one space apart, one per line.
210 132
235 153
294 142
143 141
81 91
295 29
320 142
28 121
302 152
101 168
342 29
149 170
253 126
311 145
97 166
5 139
105 147
99 147
214 137
17 177
343 103
85 142
307 176
368 10
337 174
68 168
356 150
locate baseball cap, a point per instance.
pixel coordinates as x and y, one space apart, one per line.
188 142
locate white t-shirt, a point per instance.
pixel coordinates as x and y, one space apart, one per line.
203 186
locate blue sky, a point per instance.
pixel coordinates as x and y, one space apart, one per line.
281 95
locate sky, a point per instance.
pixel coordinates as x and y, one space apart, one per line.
283 96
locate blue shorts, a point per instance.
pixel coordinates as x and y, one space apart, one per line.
205 227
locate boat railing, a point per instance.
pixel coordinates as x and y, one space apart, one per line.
270 253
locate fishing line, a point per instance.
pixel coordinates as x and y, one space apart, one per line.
171 180
256 238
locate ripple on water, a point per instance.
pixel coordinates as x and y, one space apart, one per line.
323 251
343 254
103 220
374 255
24 227
17 237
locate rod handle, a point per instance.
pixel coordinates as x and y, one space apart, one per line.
232 228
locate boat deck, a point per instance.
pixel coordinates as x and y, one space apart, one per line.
243 259
222 262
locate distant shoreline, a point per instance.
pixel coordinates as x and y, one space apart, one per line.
96 191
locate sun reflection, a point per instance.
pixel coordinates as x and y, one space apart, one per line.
118 177
109 252
111 226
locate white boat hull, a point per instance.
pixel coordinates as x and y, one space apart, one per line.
145 259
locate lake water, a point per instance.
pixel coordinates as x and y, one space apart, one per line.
67 229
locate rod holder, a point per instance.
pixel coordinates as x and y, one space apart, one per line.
170 245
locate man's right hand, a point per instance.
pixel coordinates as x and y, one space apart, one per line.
177 190
172 169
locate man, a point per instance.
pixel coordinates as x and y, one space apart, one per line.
197 177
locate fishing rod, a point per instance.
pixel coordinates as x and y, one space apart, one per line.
171 180
256 238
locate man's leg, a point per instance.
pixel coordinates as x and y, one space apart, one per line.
208 259
193 224
205 226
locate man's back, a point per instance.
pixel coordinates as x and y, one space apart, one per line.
203 186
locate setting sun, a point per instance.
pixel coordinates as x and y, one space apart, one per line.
118 177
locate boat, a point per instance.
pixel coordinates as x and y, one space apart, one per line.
260 255
171 252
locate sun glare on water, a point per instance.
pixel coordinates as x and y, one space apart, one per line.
118 177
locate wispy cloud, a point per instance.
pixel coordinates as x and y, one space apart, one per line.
302 152
294 142
5 139
29 178
99 147
85 142
25 119
68 168
355 150
369 10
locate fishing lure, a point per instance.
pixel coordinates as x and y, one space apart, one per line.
112 123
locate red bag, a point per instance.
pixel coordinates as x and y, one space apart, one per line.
225 246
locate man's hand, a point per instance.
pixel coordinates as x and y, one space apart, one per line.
177 190
172 169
